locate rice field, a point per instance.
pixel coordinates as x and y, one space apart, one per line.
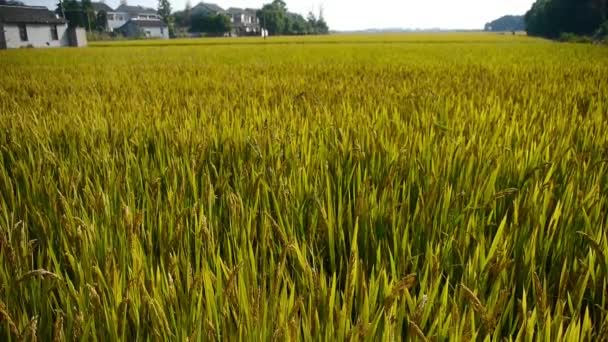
364 188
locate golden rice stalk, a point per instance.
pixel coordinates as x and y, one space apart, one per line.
404 284
38 273
58 329
415 330
473 300
4 316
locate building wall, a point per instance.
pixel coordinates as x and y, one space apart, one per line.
38 35
77 37
135 31
156 32
119 19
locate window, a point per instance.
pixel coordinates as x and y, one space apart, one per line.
162 31
54 35
23 32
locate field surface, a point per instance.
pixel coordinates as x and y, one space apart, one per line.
371 188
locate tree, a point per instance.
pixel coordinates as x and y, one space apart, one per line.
211 24
101 21
73 12
89 13
318 26
11 3
273 17
296 24
182 18
188 12
506 23
552 18
164 10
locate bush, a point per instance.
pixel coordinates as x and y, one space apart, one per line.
95 36
574 38
602 32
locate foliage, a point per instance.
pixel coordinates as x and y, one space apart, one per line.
273 17
377 188
78 13
551 18
574 38
96 36
101 21
317 24
506 23
182 18
11 3
279 21
164 10
217 24
602 31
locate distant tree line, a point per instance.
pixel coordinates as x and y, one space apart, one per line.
82 14
213 24
552 18
279 21
507 23
11 3
273 16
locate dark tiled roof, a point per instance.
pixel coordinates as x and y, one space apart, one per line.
28 15
234 10
136 9
209 8
100 6
145 23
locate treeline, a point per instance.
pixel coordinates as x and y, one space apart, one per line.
506 23
279 21
274 17
212 24
554 18
82 14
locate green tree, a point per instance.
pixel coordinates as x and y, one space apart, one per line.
101 21
317 25
164 10
211 24
11 3
506 23
182 19
552 18
273 17
89 14
296 24
73 13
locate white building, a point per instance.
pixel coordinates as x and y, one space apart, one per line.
25 26
121 15
244 21
145 28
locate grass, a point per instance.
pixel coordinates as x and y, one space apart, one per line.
370 189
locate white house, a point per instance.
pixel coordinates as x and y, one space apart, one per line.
25 26
121 15
145 28
244 21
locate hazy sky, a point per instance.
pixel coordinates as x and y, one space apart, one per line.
363 14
